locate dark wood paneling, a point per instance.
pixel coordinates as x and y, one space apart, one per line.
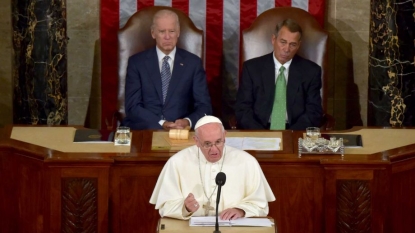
403 197
79 205
21 193
356 198
90 182
299 192
353 208
131 189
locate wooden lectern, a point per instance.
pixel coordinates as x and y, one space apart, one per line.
40 167
169 225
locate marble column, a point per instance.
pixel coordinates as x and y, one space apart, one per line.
391 63
39 62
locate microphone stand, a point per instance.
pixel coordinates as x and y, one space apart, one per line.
217 205
220 181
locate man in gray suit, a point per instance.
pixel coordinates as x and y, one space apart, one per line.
256 96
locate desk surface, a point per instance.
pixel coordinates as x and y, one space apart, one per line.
161 140
61 139
374 140
180 226
379 145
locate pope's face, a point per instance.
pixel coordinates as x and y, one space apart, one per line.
211 140
286 44
166 31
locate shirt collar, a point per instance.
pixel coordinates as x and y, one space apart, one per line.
278 64
161 55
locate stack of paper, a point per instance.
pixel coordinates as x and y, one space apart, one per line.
253 143
211 221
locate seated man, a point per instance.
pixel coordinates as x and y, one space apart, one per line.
186 186
280 90
165 86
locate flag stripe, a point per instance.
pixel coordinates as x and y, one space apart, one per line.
231 38
248 13
161 2
127 8
182 5
279 3
144 3
214 29
316 8
300 4
197 13
264 5
109 28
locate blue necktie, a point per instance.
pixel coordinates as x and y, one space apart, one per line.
165 77
280 104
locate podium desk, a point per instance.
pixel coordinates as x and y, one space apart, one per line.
59 187
169 225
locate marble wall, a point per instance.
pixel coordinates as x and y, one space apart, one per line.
83 63
39 62
391 63
347 22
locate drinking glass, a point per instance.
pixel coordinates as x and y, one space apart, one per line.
313 133
308 144
334 144
122 136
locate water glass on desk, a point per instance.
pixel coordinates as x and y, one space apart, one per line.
122 136
313 133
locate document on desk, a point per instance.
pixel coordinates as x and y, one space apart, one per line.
253 143
246 222
93 136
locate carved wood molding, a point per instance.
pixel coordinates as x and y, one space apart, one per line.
79 205
353 206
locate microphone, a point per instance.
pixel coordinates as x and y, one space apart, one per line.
220 181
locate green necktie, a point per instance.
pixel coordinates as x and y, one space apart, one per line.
280 103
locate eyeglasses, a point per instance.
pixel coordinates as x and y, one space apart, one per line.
208 145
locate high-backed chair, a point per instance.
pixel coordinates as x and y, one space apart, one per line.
256 41
135 37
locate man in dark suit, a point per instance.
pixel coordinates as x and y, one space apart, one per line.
256 98
165 86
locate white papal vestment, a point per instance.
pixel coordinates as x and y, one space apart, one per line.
245 188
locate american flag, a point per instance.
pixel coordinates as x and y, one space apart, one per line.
222 21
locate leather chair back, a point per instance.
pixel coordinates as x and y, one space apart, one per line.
256 40
135 37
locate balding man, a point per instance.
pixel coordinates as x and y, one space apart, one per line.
186 186
280 90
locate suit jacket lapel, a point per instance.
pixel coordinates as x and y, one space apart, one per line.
153 69
178 71
268 80
294 81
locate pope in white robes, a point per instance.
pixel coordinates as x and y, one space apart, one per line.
186 186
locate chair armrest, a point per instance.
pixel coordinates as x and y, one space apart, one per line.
114 122
327 122
233 124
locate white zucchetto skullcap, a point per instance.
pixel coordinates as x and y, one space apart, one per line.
206 120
